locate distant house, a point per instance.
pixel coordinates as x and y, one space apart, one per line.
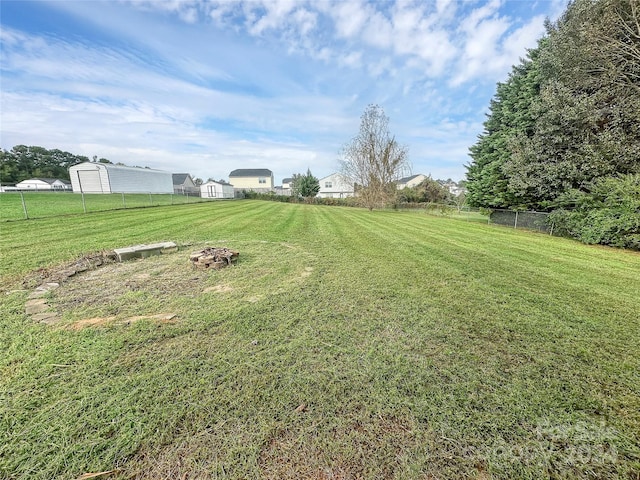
256 179
410 182
454 188
183 184
286 183
285 188
43 184
219 189
335 186
89 177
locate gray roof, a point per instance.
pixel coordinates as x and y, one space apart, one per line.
50 181
220 182
251 172
179 178
287 180
408 179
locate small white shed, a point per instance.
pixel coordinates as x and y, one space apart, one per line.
89 177
213 189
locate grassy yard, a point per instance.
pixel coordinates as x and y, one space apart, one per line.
47 204
344 344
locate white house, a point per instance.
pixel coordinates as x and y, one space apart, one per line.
410 182
213 189
91 177
335 186
455 189
43 184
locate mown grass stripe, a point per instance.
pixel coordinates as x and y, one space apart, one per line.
421 346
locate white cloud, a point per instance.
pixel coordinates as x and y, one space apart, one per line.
350 17
208 86
277 15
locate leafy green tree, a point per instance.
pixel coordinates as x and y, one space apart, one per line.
428 191
23 162
609 213
432 191
566 126
306 185
587 118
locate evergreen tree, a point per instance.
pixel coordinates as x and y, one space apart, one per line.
511 115
306 186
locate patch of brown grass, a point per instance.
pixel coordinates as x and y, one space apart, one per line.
371 448
100 321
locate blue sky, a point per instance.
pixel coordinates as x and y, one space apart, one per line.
206 87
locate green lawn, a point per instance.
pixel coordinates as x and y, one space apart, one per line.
47 204
344 344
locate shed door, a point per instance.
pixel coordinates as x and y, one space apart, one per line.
89 181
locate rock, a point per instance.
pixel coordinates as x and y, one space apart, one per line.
213 257
37 305
46 317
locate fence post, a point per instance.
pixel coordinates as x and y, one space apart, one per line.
84 206
24 206
150 201
515 225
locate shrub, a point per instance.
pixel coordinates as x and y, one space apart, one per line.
609 214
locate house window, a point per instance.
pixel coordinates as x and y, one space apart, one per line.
262 180
328 184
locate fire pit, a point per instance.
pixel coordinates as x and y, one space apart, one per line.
213 257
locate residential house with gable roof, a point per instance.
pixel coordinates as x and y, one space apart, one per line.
42 184
254 179
183 184
335 186
411 181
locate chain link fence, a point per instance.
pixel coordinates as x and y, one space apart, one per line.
21 205
460 212
538 221
528 220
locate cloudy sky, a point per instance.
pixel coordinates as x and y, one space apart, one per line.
210 86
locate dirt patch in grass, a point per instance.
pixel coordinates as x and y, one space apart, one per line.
218 289
109 292
99 321
149 288
376 447
61 273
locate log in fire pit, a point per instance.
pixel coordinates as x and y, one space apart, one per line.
213 257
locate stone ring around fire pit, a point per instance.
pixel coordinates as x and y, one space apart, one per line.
213 257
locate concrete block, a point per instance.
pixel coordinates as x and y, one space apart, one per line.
143 251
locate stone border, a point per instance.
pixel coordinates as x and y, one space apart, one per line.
38 308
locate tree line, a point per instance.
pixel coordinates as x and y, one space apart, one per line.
563 131
23 162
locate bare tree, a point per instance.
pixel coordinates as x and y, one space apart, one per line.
374 160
